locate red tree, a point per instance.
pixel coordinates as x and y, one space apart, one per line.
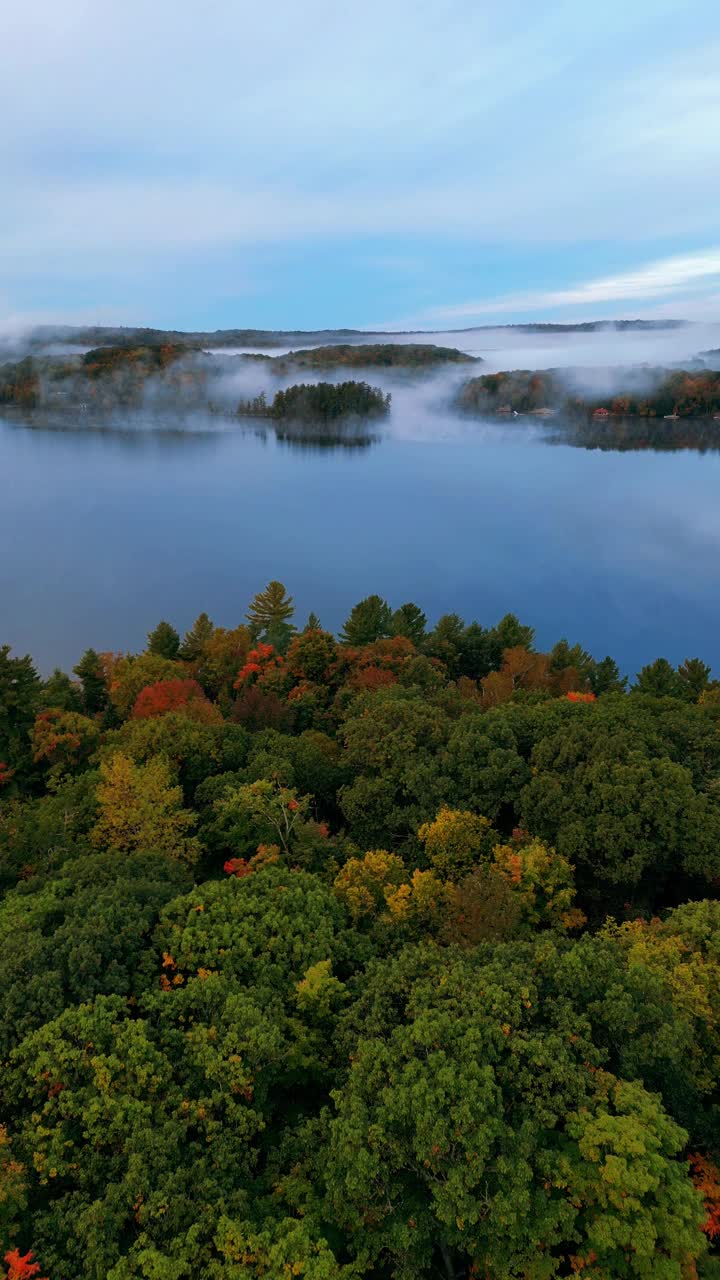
167 695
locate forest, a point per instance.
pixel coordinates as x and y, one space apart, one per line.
319 402
182 375
640 391
391 355
393 954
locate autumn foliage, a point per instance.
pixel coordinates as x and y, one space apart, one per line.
21 1266
173 695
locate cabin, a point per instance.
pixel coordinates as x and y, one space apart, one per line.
601 413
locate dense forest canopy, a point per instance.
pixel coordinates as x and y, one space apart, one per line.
388 955
392 355
320 402
641 391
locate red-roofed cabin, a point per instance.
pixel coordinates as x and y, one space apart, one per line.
601 413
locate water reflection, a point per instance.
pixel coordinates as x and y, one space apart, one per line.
621 435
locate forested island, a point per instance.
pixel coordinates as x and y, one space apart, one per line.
640 391
393 954
319 402
389 355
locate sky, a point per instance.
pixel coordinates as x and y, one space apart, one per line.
397 165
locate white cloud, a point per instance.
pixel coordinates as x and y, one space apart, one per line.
669 276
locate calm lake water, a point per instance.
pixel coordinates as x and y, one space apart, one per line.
105 531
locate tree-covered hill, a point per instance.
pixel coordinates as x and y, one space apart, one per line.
386 355
641 392
393 954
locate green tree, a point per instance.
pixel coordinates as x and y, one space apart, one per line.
694 678
271 611
392 745
511 633
605 677
196 638
60 691
659 679
91 675
621 816
445 642
369 620
313 623
20 692
564 655
77 934
410 621
475 1132
164 641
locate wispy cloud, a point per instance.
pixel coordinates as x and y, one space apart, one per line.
674 275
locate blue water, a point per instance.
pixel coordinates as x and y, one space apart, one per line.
104 532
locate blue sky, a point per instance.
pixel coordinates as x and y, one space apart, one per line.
396 164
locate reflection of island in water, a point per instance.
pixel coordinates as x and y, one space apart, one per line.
625 434
139 429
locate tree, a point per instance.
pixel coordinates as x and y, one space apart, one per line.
511 633
91 674
445 642
313 623
20 691
605 677
369 620
140 810
622 817
77 934
60 691
133 674
63 740
543 881
174 695
271 610
164 641
564 655
659 679
475 1132
694 679
196 638
410 621
456 841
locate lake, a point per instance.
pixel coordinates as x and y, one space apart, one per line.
105 531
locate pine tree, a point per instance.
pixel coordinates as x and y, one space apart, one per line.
313 623
410 621
164 641
90 672
369 620
196 638
271 609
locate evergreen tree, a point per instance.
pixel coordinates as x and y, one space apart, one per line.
313 623
693 679
92 678
196 638
60 691
270 608
659 679
445 642
410 621
20 690
369 620
164 641
605 677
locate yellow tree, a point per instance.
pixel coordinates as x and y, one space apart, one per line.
141 810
